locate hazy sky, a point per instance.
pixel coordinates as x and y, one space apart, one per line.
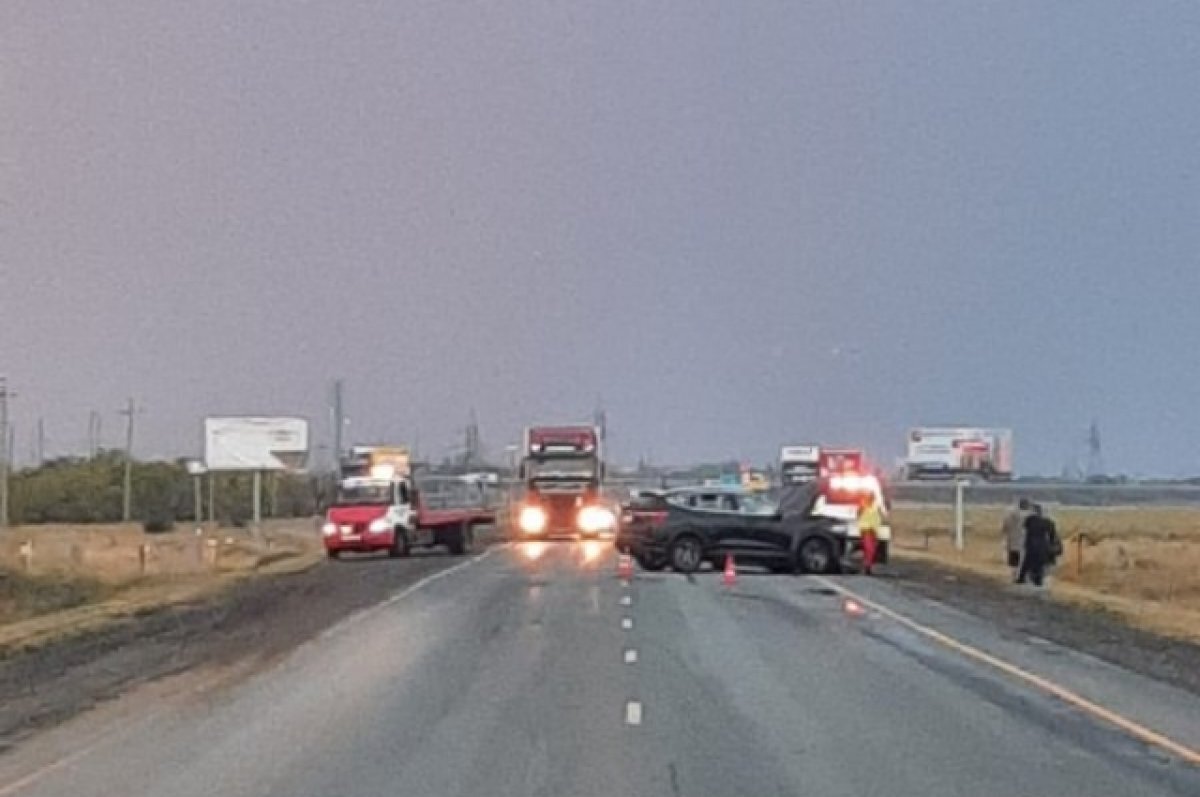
738 224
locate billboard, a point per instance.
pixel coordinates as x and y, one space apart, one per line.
959 450
255 443
808 453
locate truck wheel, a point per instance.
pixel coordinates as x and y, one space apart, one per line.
881 552
333 554
461 540
400 546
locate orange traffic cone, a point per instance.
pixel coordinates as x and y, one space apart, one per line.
625 567
730 576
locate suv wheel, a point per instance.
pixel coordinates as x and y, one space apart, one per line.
816 555
686 554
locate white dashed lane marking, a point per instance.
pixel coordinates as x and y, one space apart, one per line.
627 623
631 656
633 713
626 600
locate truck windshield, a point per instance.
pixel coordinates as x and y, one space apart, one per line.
562 468
363 494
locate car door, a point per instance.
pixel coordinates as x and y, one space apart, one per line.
706 519
760 532
734 533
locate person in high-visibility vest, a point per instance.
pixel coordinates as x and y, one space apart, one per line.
870 518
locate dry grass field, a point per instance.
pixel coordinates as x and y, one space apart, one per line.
63 579
1140 563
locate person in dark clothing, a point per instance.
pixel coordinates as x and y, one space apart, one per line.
1041 542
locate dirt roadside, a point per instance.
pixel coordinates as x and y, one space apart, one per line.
1025 612
254 621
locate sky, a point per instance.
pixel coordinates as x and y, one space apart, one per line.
732 224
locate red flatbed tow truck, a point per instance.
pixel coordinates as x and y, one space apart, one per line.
395 513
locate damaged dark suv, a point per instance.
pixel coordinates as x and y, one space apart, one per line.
687 527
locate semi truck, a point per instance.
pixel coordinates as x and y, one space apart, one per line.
562 475
951 451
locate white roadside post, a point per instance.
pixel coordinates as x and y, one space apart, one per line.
959 512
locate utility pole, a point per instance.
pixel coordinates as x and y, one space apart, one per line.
5 451
339 423
127 494
41 442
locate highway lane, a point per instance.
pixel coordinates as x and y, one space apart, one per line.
535 671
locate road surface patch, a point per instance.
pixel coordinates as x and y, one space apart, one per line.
1095 710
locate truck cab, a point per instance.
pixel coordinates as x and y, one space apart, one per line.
562 473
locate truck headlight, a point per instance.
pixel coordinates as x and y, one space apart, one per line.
329 529
379 525
594 519
532 519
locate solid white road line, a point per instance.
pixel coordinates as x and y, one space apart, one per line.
633 713
1095 710
631 655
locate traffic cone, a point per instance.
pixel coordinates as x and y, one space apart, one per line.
730 576
625 567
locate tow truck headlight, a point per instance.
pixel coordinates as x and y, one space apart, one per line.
532 520
329 529
594 519
379 525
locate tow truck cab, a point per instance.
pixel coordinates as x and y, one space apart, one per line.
382 512
562 474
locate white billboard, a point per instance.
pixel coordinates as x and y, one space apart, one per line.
953 450
800 454
255 443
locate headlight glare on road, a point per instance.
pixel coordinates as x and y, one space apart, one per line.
379 525
532 520
594 519
329 529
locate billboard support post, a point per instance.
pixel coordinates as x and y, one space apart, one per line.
199 501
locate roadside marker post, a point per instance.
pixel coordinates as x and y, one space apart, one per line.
959 512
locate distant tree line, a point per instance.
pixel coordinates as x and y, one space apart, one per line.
79 490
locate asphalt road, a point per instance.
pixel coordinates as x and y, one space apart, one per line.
534 670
